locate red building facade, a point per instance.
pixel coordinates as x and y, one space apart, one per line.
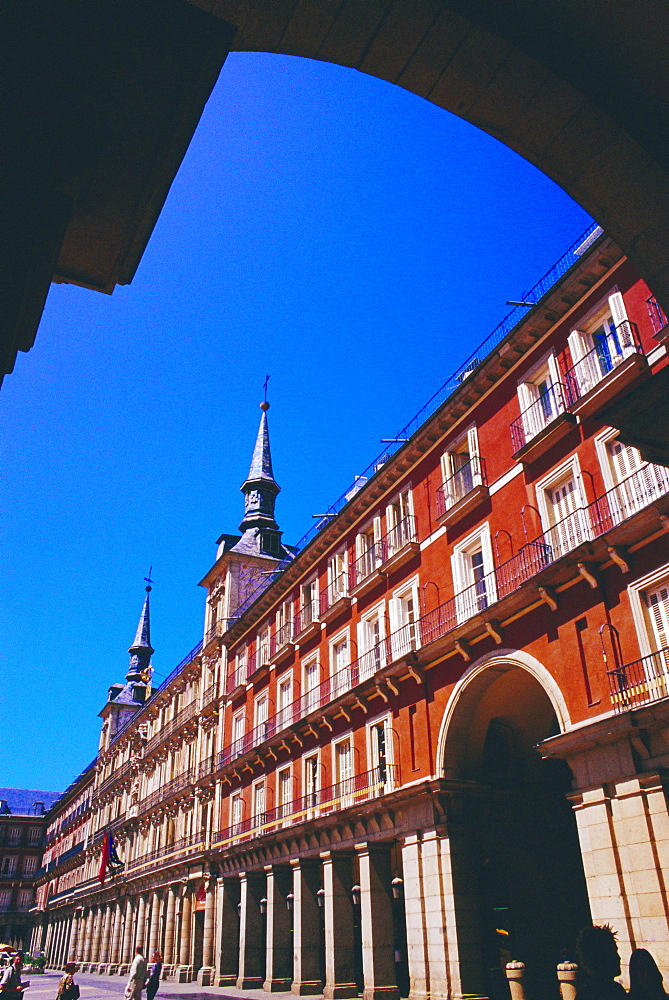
432 740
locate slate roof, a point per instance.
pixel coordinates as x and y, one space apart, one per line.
22 800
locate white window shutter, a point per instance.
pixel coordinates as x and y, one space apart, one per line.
474 455
377 529
526 397
578 348
395 613
658 609
622 324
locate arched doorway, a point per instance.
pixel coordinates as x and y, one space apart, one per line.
518 878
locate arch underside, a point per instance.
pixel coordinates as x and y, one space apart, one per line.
578 89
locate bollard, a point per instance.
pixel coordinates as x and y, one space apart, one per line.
567 973
514 974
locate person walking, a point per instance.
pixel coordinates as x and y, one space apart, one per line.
153 981
600 961
133 990
67 988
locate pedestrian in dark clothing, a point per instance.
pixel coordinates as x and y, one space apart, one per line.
599 960
645 977
153 981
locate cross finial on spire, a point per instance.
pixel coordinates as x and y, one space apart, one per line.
148 580
265 405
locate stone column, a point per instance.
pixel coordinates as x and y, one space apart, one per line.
97 935
228 931
251 971
126 950
155 924
205 976
77 920
170 917
279 943
115 951
105 942
339 940
307 928
57 932
184 972
140 929
376 914
88 939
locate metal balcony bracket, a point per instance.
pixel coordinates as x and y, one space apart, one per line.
548 597
310 730
247 767
259 761
361 705
381 693
343 714
326 722
618 558
462 647
587 574
494 629
297 739
284 746
391 686
270 753
226 779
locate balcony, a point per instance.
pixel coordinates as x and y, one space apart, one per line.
176 851
542 424
185 716
613 366
306 623
280 643
237 679
462 492
334 600
118 775
258 664
349 793
383 557
167 791
641 682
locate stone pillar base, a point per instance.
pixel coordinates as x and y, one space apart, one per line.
183 974
93 967
113 969
84 966
103 969
307 988
341 991
123 970
205 976
249 983
229 980
380 993
277 985
168 972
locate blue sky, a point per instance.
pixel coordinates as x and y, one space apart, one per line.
328 228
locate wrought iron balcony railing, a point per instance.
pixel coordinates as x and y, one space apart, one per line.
656 313
402 534
549 405
184 847
460 484
609 352
641 682
335 591
306 616
182 717
238 676
280 639
349 792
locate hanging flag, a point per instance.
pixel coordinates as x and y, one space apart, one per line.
109 857
104 860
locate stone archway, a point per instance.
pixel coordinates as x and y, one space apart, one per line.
518 884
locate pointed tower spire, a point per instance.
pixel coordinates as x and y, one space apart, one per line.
141 649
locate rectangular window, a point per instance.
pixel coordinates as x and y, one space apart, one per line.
369 553
635 483
461 468
344 773
8 866
285 792
263 647
337 579
284 715
474 575
25 899
5 899
568 521
340 666
238 733
311 784
371 652
14 836
403 611
29 866
380 753
34 836
236 811
260 712
259 803
241 669
602 342
308 612
541 399
401 528
312 680
284 626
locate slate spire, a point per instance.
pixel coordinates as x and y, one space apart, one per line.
141 649
261 488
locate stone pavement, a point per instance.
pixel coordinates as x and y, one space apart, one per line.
94 987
